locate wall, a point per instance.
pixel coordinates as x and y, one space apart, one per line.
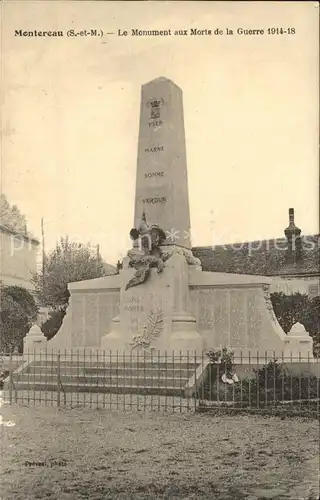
232 310
92 305
289 286
238 315
18 259
235 310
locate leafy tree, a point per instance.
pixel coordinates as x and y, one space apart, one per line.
297 307
18 311
4 207
11 216
312 324
68 262
53 323
312 319
290 308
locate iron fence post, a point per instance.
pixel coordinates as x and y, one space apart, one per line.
282 378
241 387
266 379
300 381
124 378
188 372
144 380
10 377
173 383
249 383
159 372
97 368
195 381
318 387
258 381
274 378
90 378
291 380
58 379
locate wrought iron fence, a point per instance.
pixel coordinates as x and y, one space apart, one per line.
172 381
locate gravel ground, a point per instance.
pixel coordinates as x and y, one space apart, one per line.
83 453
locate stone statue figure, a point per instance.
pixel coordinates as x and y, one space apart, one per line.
146 252
149 251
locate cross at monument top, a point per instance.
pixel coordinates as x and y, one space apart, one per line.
162 179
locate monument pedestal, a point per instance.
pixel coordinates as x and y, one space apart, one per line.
298 342
155 315
34 342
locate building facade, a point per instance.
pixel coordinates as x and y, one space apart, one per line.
292 262
18 257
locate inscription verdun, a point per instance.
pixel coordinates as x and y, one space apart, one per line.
154 174
162 184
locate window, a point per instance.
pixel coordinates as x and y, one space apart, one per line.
313 290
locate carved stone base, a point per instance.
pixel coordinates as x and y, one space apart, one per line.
166 294
114 340
185 336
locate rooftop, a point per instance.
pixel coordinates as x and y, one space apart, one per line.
266 257
5 228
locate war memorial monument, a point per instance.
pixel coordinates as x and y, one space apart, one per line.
161 299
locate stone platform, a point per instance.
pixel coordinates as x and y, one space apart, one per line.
201 310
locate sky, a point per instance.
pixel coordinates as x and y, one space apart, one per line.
70 116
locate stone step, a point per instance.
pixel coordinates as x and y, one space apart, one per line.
124 380
104 365
89 388
129 371
170 378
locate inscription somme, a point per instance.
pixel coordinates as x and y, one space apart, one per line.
154 149
163 199
153 174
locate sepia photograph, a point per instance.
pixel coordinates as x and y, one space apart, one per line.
160 250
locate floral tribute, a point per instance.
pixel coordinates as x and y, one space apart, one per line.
224 358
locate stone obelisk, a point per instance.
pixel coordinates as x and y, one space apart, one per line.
162 196
162 182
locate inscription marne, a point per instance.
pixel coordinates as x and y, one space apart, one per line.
154 149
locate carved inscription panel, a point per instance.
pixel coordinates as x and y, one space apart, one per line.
206 310
238 318
78 320
92 320
109 308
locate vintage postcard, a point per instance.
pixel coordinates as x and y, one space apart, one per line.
159 271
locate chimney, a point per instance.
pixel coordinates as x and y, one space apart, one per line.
292 233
